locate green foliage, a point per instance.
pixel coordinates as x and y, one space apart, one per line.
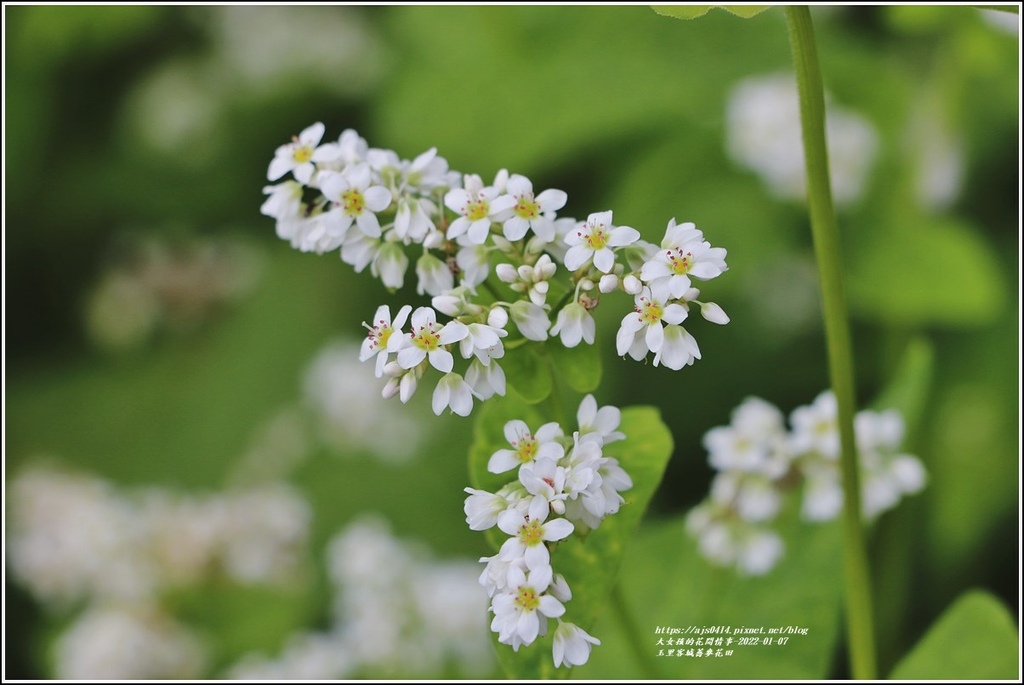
694 11
974 639
579 367
526 373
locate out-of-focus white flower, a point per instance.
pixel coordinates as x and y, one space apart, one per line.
763 134
128 643
574 323
572 644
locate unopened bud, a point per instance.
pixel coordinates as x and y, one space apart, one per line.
497 318
632 285
713 313
506 272
608 283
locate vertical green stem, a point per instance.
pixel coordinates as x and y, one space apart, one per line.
859 618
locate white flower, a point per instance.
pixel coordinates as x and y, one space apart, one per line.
483 341
752 496
641 330
531 320
526 447
478 207
572 644
598 424
379 335
297 156
354 199
531 212
453 391
518 612
285 201
427 340
360 251
574 323
412 219
475 263
594 239
433 276
678 348
494 577
530 532
713 313
546 478
815 428
389 263
483 508
486 381
310 233
684 253
754 442
350 149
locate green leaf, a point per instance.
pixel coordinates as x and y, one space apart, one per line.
921 271
975 639
591 564
910 385
580 366
526 373
694 11
668 583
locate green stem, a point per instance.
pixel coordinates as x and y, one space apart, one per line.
632 633
859 619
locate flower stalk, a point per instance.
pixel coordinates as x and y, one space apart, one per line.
859 614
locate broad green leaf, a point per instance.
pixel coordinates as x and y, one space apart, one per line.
927 271
580 366
910 385
526 373
694 11
667 583
591 564
975 639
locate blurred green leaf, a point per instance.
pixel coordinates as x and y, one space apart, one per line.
526 373
911 384
668 583
694 11
975 639
590 566
924 272
579 367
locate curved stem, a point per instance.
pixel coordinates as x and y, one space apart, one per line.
859 618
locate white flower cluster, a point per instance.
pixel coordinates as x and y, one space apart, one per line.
759 461
763 134
371 205
563 486
397 611
77 541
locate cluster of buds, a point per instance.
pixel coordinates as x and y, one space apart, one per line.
759 462
375 208
564 486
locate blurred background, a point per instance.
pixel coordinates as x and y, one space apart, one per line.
200 481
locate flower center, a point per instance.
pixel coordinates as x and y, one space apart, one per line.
426 337
477 210
680 262
526 207
379 334
526 448
527 598
353 202
596 237
302 154
650 311
531 533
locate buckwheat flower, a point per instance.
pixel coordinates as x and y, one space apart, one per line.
401 382
452 391
350 149
684 254
678 348
727 541
354 199
641 330
529 533
426 172
285 201
482 341
531 212
474 261
433 276
297 156
814 427
518 612
389 264
823 492
427 339
310 233
754 497
526 446
754 442
379 335
713 313
494 577
531 320
483 508
546 478
594 239
572 644
360 251
412 219
574 323
486 380
598 423
478 207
